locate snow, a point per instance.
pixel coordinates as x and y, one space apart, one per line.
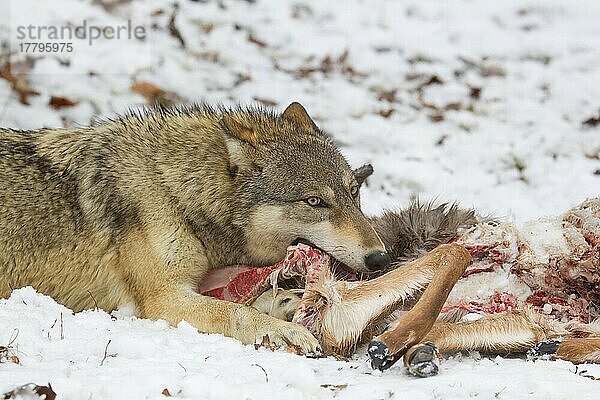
516 150
145 357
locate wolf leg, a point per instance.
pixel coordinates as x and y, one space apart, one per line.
451 260
238 321
162 269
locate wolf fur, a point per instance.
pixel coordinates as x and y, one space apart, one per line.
139 208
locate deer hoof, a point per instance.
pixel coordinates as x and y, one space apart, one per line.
423 361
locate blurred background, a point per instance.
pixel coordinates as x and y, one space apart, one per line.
492 104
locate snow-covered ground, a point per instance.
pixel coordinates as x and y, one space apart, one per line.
476 101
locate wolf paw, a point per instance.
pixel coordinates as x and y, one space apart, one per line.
292 337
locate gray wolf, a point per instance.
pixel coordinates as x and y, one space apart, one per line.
139 208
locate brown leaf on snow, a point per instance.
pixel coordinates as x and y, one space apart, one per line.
166 392
147 89
30 390
591 121
335 388
110 5
387 95
46 391
386 113
8 352
154 94
253 39
58 102
475 92
18 83
485 67
266 102
266 343
436 117
329 64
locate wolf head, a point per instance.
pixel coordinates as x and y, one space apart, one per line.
299 188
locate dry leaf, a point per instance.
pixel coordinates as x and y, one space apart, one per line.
45 390
58 102
154 94
110 5
18 83
147 89
266 102
386 113
253 39
266 343
436 117
475 93
166 392
335 387
30 390
592 121
387 95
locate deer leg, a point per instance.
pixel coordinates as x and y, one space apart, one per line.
412 327
579 350
510 332
506 333
344 310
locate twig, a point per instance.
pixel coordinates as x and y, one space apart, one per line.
497 394
62 331
95 302
259 366
184 370
584 373
53 324
8 352
105 352
13 337
173 30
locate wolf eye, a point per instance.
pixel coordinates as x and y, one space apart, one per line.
315 201
354 190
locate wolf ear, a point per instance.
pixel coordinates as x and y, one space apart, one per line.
362 173
237 129
295 112
239 140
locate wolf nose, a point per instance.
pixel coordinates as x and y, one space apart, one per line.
377 260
